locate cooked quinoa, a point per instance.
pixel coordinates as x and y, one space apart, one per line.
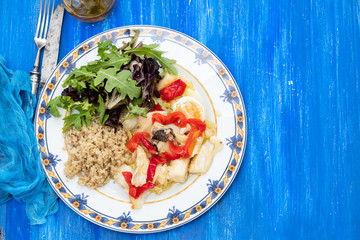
95 153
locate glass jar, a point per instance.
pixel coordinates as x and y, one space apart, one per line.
89 10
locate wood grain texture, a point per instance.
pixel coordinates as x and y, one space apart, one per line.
297 64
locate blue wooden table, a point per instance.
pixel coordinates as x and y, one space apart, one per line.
297 64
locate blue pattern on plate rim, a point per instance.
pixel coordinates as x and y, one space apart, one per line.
174 216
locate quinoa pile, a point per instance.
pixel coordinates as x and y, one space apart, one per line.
95 153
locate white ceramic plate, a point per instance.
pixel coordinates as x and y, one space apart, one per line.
109 205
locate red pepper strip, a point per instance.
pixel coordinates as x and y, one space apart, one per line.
186 150
190 145
135 192
143 188
158 159
134 141
170 156
175 117
141 136
179 119
151 169
174 90
194 123
132 188
162 158
176 149
149 146
157 107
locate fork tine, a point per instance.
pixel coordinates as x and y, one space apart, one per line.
39 19
52 11
43 20
48 17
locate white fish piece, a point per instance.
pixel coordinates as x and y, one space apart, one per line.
161 177
178 170
163 147
142 164
201 163
169 78
198 144
156 126
130 124
137 203
166 81
179 133
119 178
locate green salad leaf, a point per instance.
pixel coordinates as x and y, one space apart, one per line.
110 57
102 111
64 102
82 118
150 51
119 80
137 110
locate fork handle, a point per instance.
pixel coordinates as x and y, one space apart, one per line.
34 74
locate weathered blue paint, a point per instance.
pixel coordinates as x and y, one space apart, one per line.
297 64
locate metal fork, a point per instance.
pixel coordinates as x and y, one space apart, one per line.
40 39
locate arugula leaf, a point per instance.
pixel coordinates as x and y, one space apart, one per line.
136 110
102 109
54 104
75 119
113 60
64 102
109 57
149 50
79 73
103 47
77 76
78 120
121 81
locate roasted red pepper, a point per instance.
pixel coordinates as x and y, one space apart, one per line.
172 91
151 169
194 123
159 159
143 188
157 107
175 117
162 158
179 119
135 192
170 156
186 150
134 141
132 188
149 146
141 136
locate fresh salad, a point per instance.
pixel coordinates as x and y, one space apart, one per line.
122 79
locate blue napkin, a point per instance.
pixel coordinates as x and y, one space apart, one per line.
21 176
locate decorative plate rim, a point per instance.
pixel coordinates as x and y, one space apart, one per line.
222 190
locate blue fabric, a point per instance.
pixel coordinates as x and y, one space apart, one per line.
21 176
